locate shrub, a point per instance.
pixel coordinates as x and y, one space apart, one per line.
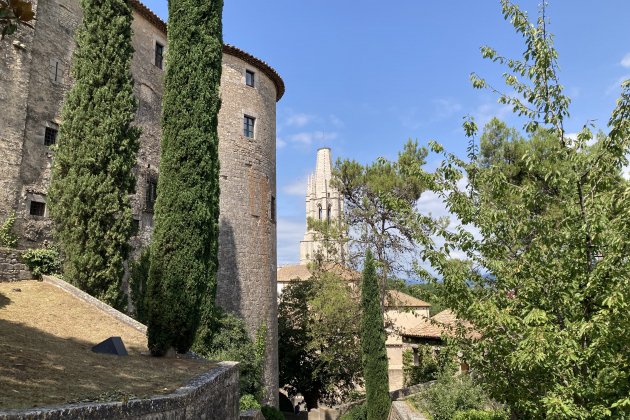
449 395
358 412
138 285
481 415
272 413
7 237
42 261
427 370
248 402
227 339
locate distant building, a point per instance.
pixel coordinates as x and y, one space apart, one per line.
323 202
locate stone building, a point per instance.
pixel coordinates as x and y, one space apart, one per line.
34 76
323 202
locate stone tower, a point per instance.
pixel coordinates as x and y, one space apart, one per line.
34 76
323 202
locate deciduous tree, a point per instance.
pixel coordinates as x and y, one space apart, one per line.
544 231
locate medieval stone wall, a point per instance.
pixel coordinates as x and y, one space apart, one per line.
247 250
212 395
11 266
34 76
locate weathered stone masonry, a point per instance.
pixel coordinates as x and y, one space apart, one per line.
34 75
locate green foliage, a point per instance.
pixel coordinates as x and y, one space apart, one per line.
8 238
373 349
227 339
248 402
96 151
379 200
449 395
427 369
481 415
138 284
42 261
318 339
184 262
545 281
14 13
271 413
358 412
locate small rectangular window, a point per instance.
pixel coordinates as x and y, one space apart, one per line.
151 194
248 126
135 226
50 136
159 55
249 78
272 209
37 208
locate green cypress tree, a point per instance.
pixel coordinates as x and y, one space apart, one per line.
373 345
92 173
182 274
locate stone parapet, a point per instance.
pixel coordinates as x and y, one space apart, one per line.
212 395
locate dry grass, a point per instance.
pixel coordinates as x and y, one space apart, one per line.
46 336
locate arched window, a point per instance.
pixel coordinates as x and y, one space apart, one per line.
320 212
328 212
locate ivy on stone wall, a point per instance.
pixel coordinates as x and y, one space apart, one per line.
92 172
183 264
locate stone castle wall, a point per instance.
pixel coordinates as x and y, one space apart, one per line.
34 76
11 266
247 251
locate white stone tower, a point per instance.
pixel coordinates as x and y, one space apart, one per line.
323 202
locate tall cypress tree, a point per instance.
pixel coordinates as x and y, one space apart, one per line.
373 345
92 172
182 275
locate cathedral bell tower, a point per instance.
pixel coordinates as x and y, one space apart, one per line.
323 202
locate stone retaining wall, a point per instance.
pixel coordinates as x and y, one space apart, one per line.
213 395
80 294
11 266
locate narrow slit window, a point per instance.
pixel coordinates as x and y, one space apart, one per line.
272 209
159 55
151 194
248 126
250 78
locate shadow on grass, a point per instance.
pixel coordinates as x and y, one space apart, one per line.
4 300
37 369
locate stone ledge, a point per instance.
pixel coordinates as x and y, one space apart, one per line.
212 395
253 414
80 294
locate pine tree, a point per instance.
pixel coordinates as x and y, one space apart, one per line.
92 174
373 345
182 275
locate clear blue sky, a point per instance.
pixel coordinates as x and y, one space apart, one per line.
363 77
